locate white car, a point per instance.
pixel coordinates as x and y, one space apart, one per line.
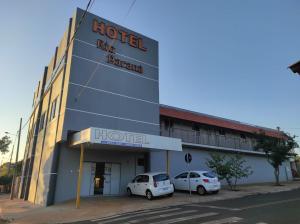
151 185
200 182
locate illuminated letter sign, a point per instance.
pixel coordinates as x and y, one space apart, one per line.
114 33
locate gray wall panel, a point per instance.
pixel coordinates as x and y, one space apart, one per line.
109 80
113 105
68 168
108 77
78 121
92 53
262 170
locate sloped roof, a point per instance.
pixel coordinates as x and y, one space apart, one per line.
187 115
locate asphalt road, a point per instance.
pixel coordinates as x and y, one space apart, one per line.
276 208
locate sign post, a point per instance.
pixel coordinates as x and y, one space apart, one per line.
188 159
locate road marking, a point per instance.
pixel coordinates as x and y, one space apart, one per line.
181 219
224 221
122 214
270 203
160 216
136 215
261 223
215 207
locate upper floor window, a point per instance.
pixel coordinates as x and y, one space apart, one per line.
243 136
221 132
168 123
42 121
53 109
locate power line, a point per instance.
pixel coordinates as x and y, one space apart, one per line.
107 50
90 3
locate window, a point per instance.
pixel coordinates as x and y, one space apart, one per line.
221 132
137 179
42 121
243 136
196 127
209 175
142 179
53 109
183 175
141 162
168 124
194 175
160 177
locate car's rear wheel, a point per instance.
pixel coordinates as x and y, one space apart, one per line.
201 190
170 195
129 193
149 195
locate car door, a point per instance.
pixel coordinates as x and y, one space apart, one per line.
134 188
139 185
180 181
194 180
143 184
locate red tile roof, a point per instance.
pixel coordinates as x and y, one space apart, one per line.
216 121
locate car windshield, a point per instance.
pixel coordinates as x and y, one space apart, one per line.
160 177
209 175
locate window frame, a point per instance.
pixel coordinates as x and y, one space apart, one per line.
42 121
53 109
179 175
197 175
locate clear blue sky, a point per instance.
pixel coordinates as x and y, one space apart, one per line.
225 58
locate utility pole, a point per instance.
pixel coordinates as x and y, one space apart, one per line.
15 167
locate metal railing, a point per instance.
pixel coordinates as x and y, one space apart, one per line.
211 139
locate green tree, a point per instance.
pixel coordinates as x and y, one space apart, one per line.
238 169
278 150
4 144
229 168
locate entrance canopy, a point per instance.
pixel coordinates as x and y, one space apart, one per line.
109 137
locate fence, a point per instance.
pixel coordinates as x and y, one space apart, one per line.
204 138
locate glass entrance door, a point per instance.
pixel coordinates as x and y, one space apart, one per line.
99 178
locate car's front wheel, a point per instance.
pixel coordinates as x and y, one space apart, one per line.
149 195
129 193
201 190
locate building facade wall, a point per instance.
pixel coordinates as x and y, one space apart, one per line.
204 134
89 91
68 168
103 95
47 125
262 170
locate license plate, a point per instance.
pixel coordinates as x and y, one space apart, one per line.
165 188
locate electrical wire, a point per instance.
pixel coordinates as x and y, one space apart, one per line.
98 64
89 5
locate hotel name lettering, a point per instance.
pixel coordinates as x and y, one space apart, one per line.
122 36
118 136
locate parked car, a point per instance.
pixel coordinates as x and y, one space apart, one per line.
151 185
200 182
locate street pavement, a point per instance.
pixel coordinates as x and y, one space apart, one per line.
275 208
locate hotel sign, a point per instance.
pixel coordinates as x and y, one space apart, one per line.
117 35
119 138
113 137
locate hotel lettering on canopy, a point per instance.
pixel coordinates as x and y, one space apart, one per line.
101 94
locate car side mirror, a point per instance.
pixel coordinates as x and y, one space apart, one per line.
132 181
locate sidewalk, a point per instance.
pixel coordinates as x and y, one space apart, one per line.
19 211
